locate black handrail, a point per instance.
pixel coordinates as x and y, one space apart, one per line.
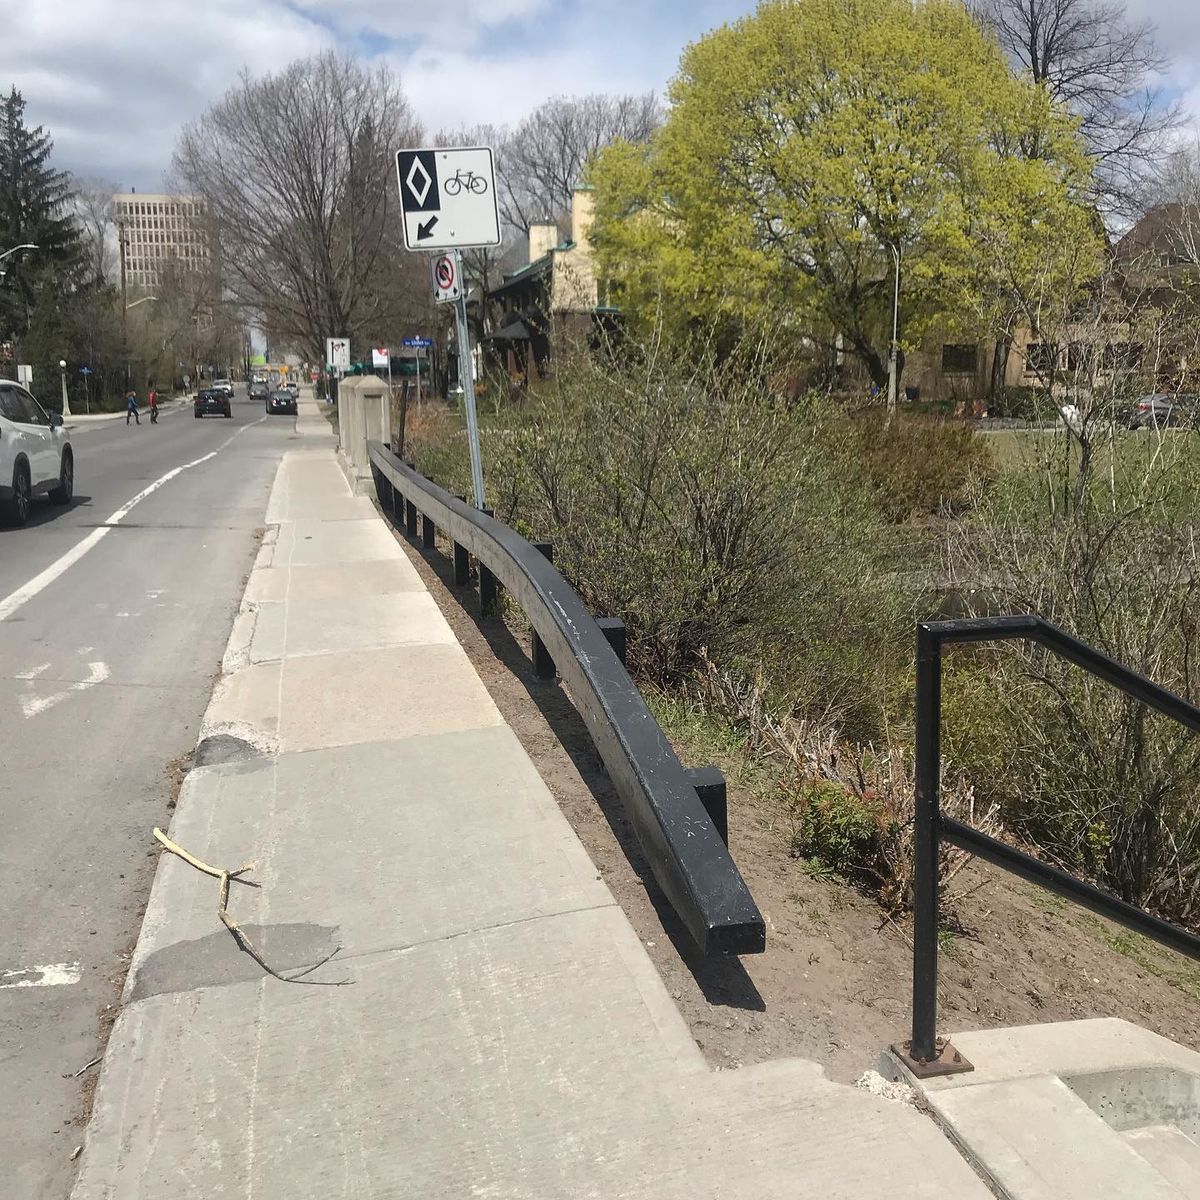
924 1054
684 848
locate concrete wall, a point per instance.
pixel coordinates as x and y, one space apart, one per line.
364 414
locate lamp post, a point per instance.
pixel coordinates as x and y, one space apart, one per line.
125 323
62 367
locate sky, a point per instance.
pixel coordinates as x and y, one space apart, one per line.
114 81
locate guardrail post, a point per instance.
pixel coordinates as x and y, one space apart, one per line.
613 629
543 664
462 566
410 519
710 787
428 532
487 590
928 766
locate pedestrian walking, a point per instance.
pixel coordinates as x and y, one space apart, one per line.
131 408
153 398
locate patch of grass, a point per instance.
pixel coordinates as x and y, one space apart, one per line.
1048 902
1152 958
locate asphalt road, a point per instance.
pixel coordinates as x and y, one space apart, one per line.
113 621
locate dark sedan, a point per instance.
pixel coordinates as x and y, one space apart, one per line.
209 400
259 391
281 401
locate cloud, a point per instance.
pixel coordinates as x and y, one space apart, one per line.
115 80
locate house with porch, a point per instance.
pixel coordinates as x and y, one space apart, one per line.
551 301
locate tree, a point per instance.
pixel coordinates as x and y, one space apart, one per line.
297 178
34 209
815 149
92 204
1092 59
543 159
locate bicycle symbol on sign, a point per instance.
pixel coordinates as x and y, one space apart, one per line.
465 179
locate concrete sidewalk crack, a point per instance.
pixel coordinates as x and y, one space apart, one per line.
404 948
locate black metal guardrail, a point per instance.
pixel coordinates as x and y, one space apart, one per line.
677 815
925 1055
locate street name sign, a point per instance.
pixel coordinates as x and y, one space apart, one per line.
417 343
448 198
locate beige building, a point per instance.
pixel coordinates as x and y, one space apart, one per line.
154 230
555 297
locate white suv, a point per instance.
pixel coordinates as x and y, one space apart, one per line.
35 454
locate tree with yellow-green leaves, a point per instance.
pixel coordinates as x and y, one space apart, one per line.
815 149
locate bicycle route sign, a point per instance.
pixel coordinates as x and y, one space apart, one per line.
448 198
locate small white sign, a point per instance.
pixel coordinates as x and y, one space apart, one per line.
24 375
446 285
381 357
337 353
448 198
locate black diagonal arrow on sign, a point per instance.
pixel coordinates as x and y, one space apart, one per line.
426 229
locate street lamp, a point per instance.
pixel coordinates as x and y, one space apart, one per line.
22 246
62 366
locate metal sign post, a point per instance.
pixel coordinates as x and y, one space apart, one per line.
448 201
467 380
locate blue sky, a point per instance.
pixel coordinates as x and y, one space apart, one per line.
115 80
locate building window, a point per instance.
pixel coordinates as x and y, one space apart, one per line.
960 360
1040 358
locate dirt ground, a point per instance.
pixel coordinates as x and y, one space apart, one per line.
834 983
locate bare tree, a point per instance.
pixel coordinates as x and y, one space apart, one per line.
92 203
296 175
543 159
1102 66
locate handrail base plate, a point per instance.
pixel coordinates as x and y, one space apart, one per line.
948 1061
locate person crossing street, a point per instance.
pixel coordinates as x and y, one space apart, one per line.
153 405
131 408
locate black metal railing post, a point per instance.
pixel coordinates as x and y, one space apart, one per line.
926 815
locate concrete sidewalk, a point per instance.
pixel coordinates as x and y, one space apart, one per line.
500 1031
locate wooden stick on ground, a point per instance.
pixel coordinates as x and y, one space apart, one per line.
242 940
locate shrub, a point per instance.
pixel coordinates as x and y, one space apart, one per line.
833 827
712 514
920 467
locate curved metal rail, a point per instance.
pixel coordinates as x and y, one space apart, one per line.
682 844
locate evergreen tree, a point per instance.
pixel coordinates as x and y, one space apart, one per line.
34 208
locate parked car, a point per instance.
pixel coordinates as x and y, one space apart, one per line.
1160 410
281 401
209 400
36 456
223 385
259 391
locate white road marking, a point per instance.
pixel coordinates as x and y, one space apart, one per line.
33 672
45 975
60 566
31 706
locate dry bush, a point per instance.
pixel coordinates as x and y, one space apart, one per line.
852 805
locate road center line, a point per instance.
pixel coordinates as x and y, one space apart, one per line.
61 565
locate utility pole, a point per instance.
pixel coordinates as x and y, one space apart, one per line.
124 299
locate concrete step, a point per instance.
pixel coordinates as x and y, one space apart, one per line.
1171 1152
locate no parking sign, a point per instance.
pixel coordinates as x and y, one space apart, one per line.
446 285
